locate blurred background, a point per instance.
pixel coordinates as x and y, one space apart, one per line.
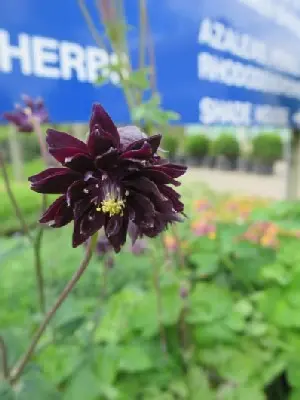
211 309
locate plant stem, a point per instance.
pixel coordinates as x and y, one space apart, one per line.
142 44
41 139
156 285
3 352
38 268
37 244
183 330
91 25
18 369
13 201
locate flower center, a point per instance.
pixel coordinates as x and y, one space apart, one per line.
112 207
112 204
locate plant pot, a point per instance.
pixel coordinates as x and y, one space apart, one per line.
263 168
226 164
245 164
209 162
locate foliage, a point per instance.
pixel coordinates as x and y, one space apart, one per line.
197 145
29 202
227 145
170 143
118 337
267 147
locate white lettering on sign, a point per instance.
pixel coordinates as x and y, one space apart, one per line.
46 57
232 73
223 38
278 12
20 52
96 60
49 58
72 57
225 112
214 111
271 115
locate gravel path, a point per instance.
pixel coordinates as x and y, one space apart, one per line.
240 183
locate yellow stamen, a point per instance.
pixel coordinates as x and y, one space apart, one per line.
112 207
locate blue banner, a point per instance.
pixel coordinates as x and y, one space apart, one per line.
218 62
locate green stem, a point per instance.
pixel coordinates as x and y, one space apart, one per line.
19 368
13 200
3 353
157 289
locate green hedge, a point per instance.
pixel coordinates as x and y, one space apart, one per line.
197 146
227 145
267 147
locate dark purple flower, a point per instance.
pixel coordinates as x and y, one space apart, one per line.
22 117
113 179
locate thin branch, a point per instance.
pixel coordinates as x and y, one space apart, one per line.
156 285
13 200
142 44
38 268
41 139
18 369
3 353
37 245
91 25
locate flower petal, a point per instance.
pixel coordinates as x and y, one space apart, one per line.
92 222
79 162
173 170
107 160
131 137
119 226
99 142
159 177
61 140
82 207
75 192
58 214
173 196
154 142
53 180
141 207
143 185
144 153
101 118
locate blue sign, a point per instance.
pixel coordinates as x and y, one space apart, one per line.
218 62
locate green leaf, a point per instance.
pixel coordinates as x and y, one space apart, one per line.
139 78
295 395
116 322
35 386
84 385
101 80
134 358
293 373
179 388
208 303
214 332
207 264
198 385
106 360
171 304
229 392
6 392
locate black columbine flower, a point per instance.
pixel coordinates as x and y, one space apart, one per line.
114 180
21 117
